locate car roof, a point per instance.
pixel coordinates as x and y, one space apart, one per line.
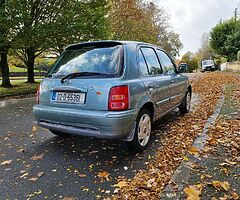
108 42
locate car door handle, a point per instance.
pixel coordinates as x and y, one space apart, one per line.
172 81
151 85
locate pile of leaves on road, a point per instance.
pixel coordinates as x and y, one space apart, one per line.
177 142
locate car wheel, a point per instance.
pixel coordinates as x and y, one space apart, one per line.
142 131
60 134
186 104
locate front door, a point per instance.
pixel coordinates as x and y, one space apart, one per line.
177 82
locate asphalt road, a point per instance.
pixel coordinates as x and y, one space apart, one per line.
39 165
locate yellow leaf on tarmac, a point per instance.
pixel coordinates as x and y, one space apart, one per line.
37 157
221 185
104 174
34 128
225 185
194 150
193 192
185 158
121 184
6 162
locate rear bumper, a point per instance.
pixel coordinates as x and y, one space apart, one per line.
101 124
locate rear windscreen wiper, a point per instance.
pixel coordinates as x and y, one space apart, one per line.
72 75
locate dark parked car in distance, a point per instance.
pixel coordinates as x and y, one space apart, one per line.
111 89
183 68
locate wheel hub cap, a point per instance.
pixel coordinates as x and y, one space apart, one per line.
144 129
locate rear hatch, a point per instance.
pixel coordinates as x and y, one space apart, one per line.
83 76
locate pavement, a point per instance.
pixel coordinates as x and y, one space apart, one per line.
38 165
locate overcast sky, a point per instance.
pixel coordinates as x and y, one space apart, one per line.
192 18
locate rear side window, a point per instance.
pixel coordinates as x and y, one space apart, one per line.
166 62
142 64
88 59
151 60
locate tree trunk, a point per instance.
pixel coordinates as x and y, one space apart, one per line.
4 69
30 64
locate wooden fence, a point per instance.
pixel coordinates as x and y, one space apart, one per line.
231 66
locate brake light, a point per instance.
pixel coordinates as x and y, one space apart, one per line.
38 95
118 98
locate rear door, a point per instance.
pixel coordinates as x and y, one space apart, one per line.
152 75
177 86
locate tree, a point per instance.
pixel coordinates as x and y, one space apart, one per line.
191 60
44 24
232 44
170 42
129 21
223 39
88 21
205 51
143 21
4 45
166 38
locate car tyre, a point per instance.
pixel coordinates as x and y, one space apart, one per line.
60 134
142 131
186 104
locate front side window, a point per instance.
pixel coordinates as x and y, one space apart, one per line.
166 62
151 60
105 60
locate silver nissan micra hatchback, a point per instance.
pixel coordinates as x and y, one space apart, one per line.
111 89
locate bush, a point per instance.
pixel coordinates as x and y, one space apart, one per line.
15 62
193 64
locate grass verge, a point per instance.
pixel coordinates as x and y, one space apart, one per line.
231 104
19 88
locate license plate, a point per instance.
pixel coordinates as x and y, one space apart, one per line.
68 97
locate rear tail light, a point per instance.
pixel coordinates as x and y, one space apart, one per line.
118 98
38 95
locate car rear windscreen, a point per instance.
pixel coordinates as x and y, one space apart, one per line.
105 60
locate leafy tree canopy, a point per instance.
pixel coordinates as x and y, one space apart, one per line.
225 37
143 21
191 60
36 25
